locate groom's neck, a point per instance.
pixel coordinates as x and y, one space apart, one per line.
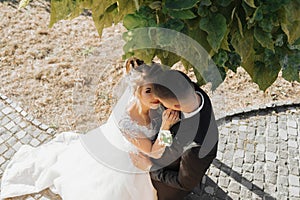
192 104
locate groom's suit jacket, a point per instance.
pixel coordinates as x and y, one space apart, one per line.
194 147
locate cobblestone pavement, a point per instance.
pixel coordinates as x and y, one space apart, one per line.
258 155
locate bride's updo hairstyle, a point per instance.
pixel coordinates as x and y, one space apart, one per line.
139 74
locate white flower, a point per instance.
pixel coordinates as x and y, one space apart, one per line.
165 137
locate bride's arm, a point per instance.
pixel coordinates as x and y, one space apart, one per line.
155 150
145 146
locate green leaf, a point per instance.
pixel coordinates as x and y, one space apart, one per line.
144 17
132 21
203 11
156 5
220 58
136 41
225 44
161 39
279 40
200 80
264 38
244 47
112 8
146 12
265 74
266 23
205 2
228 12
250 3
104 12
137 44
173 24
69 9
183 14
295 46
104 19
248 10
297 42
275 20
240 26
187 66
207 75
289 18
266 69
275 5
291 73
145 43
290 64
224 3
234 61
199 35
292 31
63 9
180 4
215 27
257 15
233 13
108 12
167 58
146 55
213 9
125 7
248 64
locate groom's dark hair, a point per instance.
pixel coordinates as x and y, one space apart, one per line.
172 84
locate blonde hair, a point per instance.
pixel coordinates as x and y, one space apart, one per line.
139 74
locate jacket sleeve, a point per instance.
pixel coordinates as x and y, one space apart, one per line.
191 170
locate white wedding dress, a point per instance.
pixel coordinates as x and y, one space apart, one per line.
93 166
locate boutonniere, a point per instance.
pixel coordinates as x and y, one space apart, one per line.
165 137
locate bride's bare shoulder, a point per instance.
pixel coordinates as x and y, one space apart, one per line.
137 117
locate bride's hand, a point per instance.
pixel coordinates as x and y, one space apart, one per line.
169 118
141 161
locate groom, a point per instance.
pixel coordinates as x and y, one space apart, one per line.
195 137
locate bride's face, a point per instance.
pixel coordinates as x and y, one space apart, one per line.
147 97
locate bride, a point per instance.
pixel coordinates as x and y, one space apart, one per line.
97 165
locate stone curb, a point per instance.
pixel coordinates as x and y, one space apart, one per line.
257 109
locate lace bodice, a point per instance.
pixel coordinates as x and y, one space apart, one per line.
134 130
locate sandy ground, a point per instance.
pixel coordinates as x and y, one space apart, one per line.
64 76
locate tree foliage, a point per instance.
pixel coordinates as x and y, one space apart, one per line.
262 36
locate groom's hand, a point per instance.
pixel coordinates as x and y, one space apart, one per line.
141 161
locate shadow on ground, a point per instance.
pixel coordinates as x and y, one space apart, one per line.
211 190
